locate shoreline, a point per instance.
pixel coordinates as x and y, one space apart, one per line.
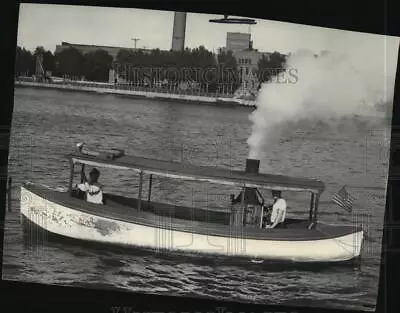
218 101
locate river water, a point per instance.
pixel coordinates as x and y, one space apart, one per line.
48 123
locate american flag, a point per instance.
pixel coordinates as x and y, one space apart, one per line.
343 199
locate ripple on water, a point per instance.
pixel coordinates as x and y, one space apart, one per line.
124 273
110 262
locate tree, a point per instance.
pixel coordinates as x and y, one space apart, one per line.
228 73
24 62
124 56
49 62
194 63
270 66
277 60
97 65
227 59
70 62
39 50
175 66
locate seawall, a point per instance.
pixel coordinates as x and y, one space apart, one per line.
107 89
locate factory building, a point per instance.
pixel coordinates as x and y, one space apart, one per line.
247 59
237 41
113 51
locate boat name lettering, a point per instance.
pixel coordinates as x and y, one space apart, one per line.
88 222
37 212
56 216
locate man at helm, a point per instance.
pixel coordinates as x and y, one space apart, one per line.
278 213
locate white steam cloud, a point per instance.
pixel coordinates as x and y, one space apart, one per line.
328 86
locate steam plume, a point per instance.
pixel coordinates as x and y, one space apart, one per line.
328 86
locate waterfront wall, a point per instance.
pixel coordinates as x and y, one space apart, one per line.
111 89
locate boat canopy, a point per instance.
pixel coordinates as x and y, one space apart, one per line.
216 175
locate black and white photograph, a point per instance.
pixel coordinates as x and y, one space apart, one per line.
198 155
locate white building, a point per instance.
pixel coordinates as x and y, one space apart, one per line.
247 60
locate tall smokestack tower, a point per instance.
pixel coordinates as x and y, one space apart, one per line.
178 35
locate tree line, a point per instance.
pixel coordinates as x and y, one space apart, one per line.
196 65
94 66
199 65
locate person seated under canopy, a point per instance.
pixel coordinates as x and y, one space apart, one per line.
251 196
92 188
253 201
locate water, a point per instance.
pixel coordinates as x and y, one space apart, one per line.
47 124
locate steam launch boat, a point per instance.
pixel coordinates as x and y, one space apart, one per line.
236 230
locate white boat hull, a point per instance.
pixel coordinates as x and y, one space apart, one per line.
71 223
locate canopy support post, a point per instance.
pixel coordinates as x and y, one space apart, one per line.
310 218
71 176
150 183
316 208
243 213
262 215
140 190
82 170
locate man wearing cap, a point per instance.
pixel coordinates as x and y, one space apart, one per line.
92 188
278 213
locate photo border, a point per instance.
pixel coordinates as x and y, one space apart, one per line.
375 18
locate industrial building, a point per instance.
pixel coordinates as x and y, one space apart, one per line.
247 58
241 46
178 40
113 51
237 41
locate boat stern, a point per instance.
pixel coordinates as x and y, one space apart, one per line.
358 242
351 245
344 243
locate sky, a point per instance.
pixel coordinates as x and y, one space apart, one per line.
48 25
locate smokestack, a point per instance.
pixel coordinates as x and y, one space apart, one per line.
252 166
179 30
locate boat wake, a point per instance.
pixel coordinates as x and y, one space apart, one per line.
256 261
